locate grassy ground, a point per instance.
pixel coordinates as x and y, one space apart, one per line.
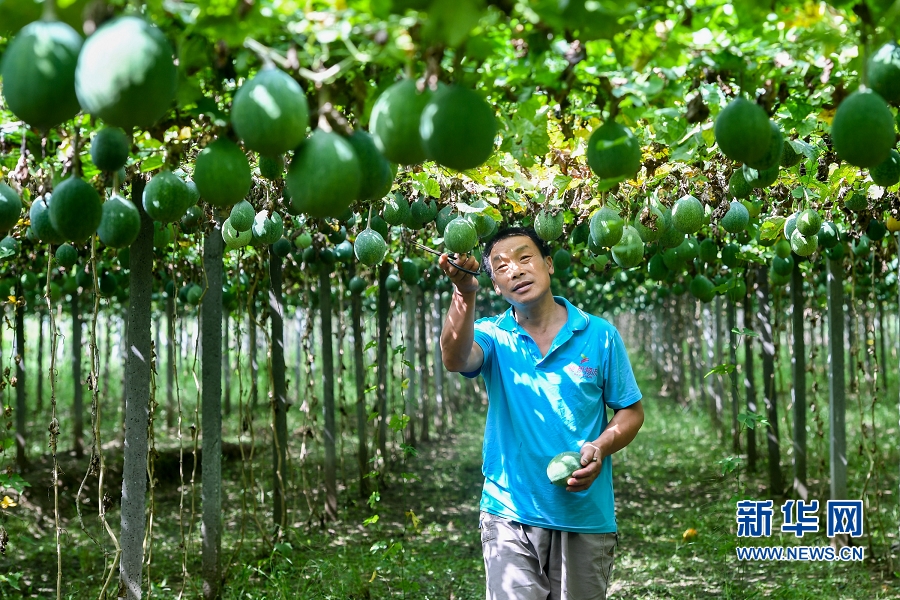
425 543
667 481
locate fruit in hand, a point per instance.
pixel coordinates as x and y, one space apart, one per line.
561 467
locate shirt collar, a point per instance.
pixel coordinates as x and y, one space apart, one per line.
577 318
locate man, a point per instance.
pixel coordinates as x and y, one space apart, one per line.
550 370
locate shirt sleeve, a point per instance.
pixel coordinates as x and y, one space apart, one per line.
620 388
484 337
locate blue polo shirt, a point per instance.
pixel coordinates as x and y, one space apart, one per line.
541 406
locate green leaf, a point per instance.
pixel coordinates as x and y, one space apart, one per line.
416 521
729 464
374 498
801 147
284 548
188 91
493 213
425 185
371 344
466 209
750 420
432 188
751 257
409 450
745 332
398 423
394 548
526 136
600 262
686 151
729 284
13 481
562 182
723 369
771 228
371 520
11 579
151 164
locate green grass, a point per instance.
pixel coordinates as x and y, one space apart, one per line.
671 478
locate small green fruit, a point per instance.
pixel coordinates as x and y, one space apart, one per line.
760 179
687 214
628 252
702 288
790 224
66 255
613 151
808 222
887 173
110 148
396 209
856 201
282 247
743 132
828 235
561 467
369 247
803 245
460 236
783 248
783 265
10 207
562 260
736 219
235 239
549 226
730 255
738 186
357 285
607 227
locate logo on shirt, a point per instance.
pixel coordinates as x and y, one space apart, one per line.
582 370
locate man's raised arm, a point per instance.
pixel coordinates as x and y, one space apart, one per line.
459 351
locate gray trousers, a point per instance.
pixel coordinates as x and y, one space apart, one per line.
522 562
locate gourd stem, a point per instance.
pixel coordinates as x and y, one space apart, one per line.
49 13
864 55
267 55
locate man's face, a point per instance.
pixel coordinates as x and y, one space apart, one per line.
520 274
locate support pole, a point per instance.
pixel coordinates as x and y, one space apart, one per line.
798 367
836 387
764 318
211 413
137 404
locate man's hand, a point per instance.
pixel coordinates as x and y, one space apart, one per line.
591 463
464 282
618 433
